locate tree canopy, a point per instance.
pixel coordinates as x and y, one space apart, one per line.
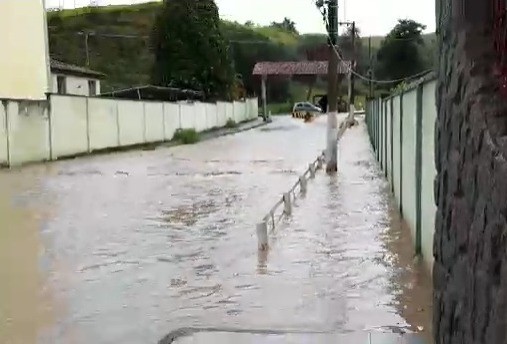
401 52
287 25
190 51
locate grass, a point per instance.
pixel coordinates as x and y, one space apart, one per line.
186 136
231 124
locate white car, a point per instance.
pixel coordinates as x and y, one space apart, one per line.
305 107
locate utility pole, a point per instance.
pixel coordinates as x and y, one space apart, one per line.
352 94
370 74
352 97
332 93
87 35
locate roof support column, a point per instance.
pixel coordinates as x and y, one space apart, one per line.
264 96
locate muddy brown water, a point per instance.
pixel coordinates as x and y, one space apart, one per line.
128 247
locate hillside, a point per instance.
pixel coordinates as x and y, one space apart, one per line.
117 39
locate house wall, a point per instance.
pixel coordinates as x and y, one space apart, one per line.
68 125
4 151
411 171
75 85
24 61
28 131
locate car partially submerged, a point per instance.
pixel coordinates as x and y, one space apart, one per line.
306 107
305 110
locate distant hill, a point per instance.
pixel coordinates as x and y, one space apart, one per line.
116 41
119 40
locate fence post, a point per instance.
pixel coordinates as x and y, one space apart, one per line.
287 204
418 169
262 235
311 168
303 184
319 163
401 153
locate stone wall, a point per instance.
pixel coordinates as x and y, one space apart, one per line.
470 251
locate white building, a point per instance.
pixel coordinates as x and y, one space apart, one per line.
75 80
24 62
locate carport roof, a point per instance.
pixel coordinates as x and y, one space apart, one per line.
297 68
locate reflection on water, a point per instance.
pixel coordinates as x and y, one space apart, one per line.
24 300
141 243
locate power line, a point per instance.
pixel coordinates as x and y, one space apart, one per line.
360 76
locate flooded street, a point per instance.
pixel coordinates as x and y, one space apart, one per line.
128 247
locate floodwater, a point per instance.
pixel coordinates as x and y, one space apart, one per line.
128 247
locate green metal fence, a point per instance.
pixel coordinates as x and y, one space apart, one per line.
401 130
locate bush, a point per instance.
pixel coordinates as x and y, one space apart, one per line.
186 136
230 123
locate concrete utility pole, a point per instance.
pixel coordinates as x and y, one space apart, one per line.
352 94
332 122
370 72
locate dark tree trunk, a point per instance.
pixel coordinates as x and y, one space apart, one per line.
470 247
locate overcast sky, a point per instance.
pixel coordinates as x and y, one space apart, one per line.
374 17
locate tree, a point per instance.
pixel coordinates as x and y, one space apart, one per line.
190 51
400 54
287 25
354 51
249 46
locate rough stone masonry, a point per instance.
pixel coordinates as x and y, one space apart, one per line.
470 247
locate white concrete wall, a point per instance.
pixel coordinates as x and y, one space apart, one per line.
187 116
389 145
406 168
222 115
74 85
171 120
396 150
69 126
381 117
154 119
235 110
409 159
131 122
428 172
200 116
28 131
78 125
4 152
211 116
103 123
229 111
255 102
24 58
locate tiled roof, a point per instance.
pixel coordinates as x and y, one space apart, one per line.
297 68
65 68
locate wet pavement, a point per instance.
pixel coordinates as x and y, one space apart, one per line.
128 247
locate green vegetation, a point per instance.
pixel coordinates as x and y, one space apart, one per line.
280 108
119 43
190 51
231 124
186 136
400 54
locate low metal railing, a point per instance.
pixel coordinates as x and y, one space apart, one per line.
272 219
287 200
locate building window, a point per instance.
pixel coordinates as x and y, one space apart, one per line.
92 87
60 82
